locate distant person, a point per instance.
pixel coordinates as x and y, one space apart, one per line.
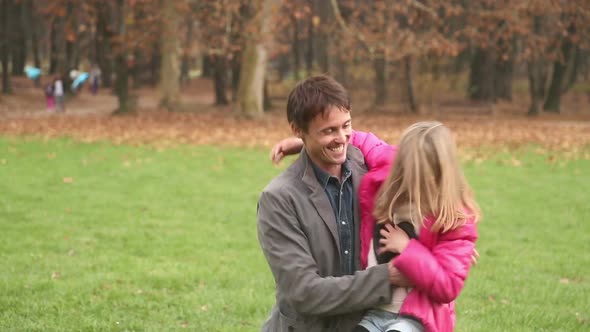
95 74
49 98
58 94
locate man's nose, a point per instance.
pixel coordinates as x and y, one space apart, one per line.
343 135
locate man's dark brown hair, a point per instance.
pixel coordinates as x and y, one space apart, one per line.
313 96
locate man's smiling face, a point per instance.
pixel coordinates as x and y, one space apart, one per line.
326 139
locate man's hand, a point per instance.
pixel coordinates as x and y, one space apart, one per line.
285 147
396 278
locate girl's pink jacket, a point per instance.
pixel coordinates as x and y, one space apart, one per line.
436 263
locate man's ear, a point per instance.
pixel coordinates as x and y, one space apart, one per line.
297 132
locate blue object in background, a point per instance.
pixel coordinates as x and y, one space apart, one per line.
80 79
32 72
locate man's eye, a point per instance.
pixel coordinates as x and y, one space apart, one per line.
328 131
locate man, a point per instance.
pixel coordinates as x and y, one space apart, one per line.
308 221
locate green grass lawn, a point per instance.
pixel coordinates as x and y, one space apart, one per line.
96 237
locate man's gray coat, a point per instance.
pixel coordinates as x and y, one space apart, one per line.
298 234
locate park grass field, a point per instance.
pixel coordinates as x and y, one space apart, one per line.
102 237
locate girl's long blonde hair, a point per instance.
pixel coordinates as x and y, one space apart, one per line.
427 176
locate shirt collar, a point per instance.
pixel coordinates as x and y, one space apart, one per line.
324 177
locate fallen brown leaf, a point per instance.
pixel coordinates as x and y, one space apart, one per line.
89 119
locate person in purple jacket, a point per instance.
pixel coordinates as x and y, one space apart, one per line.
426 216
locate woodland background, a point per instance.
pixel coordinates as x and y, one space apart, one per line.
110 212
410 55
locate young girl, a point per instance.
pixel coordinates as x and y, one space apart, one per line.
424 189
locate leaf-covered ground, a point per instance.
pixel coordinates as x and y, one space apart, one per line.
88 118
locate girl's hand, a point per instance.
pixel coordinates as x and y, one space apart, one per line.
285 147
394 239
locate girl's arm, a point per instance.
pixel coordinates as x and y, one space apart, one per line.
285 147
440 272
375 151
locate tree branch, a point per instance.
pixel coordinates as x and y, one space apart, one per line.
418 5
357 34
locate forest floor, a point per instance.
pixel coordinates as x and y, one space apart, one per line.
89 118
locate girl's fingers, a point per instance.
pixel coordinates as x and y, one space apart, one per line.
276 154
273 153
278 157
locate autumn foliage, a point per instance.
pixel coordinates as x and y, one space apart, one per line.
400 51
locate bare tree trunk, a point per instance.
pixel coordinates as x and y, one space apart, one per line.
5 46
323 10
236 38
267 101
250 101
185 64
381 78
574 64
155 64
103 43
553 101
481 78
503 78
340 66
122 81
236 66
54 45
460 62
19 39
409 85
33 21
536 84
295 48
251 89
170 69
537 72
71 37
220 78
309 55
207 66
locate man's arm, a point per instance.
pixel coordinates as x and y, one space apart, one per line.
296 273
396 278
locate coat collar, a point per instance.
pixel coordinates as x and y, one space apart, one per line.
320 200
